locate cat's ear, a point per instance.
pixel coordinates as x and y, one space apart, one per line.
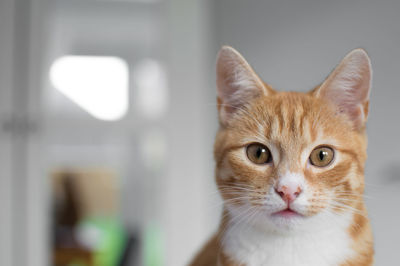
348 87
237 83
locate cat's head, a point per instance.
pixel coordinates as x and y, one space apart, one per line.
285 159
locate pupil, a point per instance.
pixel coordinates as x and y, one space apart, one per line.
259 151
322 155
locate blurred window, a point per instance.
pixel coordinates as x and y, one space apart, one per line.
98 84
151 87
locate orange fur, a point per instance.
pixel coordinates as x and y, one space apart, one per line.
292 121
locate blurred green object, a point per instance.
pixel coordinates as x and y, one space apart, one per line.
153 246
77 263
110 237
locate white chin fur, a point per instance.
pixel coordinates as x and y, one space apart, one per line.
265 221
263 240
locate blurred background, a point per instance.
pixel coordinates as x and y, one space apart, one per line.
107 118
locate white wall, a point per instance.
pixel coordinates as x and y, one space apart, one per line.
192 123
23 237
293 45
176 32
6 62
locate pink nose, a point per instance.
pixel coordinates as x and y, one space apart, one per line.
288 193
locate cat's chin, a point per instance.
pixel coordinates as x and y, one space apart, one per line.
287 214
284 221
287 221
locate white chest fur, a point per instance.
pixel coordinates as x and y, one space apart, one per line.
323 244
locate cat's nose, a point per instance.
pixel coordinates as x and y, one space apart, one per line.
288 192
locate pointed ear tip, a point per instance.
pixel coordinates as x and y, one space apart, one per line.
227 50
226 46
360 53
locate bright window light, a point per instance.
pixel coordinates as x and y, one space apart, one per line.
98 84
151 88
153 149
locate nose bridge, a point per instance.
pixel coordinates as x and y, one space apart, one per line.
289 179
290 154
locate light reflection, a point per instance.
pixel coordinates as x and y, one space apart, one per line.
98 84
151 88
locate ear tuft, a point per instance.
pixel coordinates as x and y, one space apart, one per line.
237 83
348 87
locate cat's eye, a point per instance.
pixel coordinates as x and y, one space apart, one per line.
258 153
321 156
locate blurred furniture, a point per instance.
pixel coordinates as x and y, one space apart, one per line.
87 230
69 256
67 249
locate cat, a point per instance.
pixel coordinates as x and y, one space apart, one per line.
290 169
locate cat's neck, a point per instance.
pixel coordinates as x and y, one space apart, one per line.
319 244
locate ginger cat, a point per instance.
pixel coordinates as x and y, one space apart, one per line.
290 169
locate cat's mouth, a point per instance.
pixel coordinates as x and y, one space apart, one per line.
287 213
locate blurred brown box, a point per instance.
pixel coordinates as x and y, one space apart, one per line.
96 191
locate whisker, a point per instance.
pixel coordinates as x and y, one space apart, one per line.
234 220
348 208
243 218
250 218
237 184
236 188
355 195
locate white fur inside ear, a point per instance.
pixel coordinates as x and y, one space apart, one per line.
242 84
237 83
348 86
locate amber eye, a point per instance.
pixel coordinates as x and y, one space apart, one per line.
321 156
258 153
